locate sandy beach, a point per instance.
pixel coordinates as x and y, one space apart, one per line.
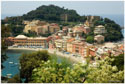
68 56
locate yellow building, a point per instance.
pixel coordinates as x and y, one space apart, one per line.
69 45
41 27
61 44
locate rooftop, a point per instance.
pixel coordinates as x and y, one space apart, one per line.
21 36
99 36
100 26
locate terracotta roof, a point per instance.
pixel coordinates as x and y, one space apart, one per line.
10 37
70 40
121 47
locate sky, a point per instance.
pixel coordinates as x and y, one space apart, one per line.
82 7
103 8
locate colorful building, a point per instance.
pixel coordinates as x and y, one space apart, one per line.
69 45
41 27
22 40
79 48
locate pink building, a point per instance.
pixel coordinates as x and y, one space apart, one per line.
86 30
79 48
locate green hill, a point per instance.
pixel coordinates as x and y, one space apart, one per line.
62 16
49 13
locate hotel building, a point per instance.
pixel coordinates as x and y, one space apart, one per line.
22 40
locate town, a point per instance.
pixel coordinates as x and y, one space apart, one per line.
61 42
67 40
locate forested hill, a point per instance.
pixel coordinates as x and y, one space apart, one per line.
64 17
49 13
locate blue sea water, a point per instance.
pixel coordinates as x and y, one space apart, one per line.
13 56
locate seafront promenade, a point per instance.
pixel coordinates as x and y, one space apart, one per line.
68 56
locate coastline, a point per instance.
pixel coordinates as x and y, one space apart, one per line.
69 57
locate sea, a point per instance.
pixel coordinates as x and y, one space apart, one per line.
12 63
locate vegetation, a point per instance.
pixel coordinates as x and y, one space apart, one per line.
16 29
57 14
90 39
113 30
5 32
30 61
119 62
49 13
15 79
102 72
53 72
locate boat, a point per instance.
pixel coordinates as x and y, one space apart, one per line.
11 62
16 63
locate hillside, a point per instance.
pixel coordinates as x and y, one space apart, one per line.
49 13
63 17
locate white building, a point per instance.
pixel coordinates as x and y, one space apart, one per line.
100 29
99 38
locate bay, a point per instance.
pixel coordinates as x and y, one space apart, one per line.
12 63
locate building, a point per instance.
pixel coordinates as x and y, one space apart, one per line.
90 20
53 28
22 40
88 23
61 44
9 41
80 29
86 29
77 30
121 47
69 45
41 27
91 51
99 38
100 30
79 48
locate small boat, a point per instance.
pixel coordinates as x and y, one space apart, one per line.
11 62
16 63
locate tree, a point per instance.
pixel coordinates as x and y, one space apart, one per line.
104 72
119 61
30 61
90 39
53 72
5 32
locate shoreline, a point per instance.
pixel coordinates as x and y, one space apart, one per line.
72 58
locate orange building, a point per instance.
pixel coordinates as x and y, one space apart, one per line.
22 40
79 48
69 44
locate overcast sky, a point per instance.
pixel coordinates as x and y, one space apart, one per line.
82 7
